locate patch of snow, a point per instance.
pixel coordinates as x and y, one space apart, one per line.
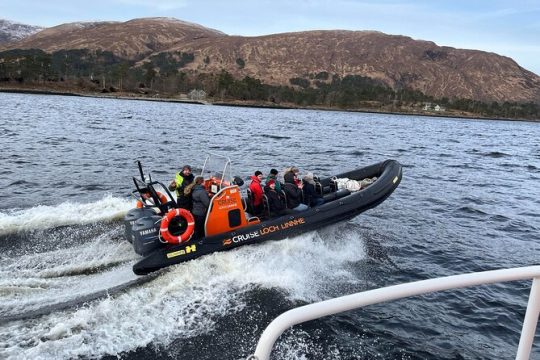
12 31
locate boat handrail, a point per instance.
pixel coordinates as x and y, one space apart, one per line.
349 302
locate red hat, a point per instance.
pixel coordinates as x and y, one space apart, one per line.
270 182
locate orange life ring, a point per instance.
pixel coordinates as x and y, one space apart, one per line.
162 198
186 235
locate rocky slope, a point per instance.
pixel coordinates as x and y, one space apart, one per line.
131 39
11 31
399 61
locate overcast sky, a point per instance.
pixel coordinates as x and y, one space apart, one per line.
510 28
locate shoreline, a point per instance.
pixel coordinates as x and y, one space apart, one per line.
237 103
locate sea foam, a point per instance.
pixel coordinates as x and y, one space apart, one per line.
67 213
188 300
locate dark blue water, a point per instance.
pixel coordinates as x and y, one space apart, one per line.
468 202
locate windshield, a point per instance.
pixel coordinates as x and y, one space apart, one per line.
217 167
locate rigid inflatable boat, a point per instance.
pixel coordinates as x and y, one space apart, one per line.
228 222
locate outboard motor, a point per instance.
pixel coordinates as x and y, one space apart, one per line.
146 234
132 216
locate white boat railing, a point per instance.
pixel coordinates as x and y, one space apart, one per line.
354 301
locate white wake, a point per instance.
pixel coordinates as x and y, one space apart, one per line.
185 301
68 213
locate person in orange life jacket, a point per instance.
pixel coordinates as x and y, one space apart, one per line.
201 201
181 181
147 199
294 193
273 176
257 192
276 202
311 197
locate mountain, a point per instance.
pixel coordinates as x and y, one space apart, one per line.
131 39
398 61
11 31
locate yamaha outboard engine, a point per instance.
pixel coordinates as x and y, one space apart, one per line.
132 216
146 234
142 224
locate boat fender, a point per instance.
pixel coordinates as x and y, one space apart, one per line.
162 198
186 235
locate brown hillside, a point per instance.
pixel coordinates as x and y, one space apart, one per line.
131 39
399 61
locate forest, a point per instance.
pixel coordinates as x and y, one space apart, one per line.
163 75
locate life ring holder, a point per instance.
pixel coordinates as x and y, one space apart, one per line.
177 239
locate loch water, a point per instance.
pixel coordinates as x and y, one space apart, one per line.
468 201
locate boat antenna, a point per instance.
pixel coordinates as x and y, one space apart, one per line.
140 170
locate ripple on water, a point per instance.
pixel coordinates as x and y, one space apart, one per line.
23 183
495 154
469 211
